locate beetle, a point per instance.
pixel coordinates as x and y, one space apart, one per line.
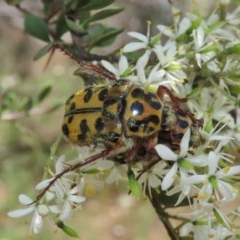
125 119
128 119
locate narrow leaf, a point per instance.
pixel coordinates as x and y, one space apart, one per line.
106 38
208 126
36 26
102 14
43 51
75 27
96 4
134 184
26 104
44 91
68 230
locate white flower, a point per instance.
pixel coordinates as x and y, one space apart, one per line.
215 105
140 67
143 42
61 186
117 172
168 155
123 70
213 182
38 211
72 201
152 178
181 28
200 231
203 52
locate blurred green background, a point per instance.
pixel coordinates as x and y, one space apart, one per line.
25 142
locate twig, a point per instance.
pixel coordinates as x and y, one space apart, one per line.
13 116
162 215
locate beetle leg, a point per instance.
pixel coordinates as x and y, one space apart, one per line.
175 100
103 153
176 104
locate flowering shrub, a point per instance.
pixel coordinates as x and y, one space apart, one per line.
197 58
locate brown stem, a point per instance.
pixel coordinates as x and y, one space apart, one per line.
13 116
162 215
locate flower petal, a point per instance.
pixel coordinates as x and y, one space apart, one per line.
24 199
138 36
213 162
169 177
185 143
20 212
133 46
165 153
109 67
37 223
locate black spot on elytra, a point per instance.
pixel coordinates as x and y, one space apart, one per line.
69 99
70 118
155 105
88 95
148 97
65 129
72 106
134 125
83 129
137 108
183 124
99 125
103 94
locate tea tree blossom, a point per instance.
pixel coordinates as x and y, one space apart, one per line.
198 60
38 211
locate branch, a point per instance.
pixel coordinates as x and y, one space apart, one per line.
13 116
162 215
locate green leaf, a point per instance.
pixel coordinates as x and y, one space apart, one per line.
61 26
36 26
96 4
233 49
235 89
51 7
44 91
75 27
68 230
10 101
214 181
127 72
216 25
185 164
101 15
154 41
26 104
196 23
209 48
208 126
218 216
134 184
106 38
91 171
43 51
